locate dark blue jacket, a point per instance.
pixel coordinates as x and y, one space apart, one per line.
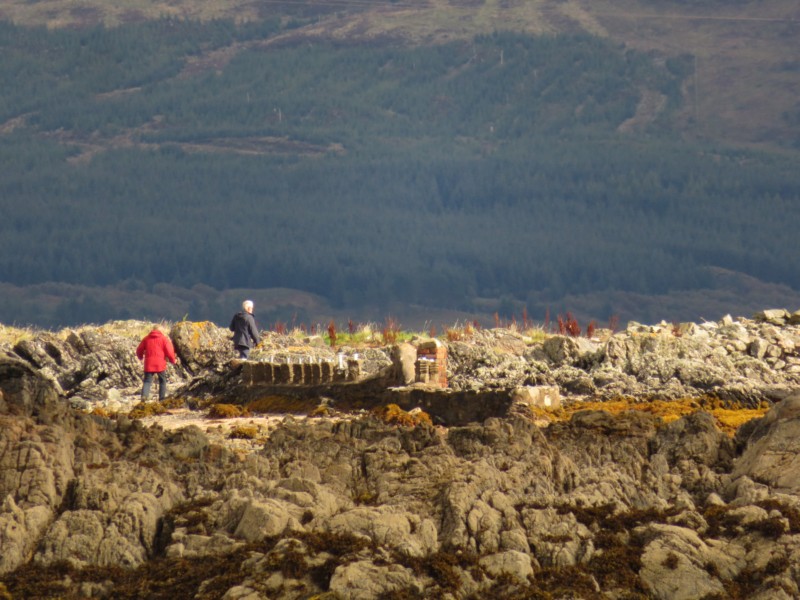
245 332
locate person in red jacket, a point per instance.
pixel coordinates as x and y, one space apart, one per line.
156 348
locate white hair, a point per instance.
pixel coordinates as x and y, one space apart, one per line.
247 305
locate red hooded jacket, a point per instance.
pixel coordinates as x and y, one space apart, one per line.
155 348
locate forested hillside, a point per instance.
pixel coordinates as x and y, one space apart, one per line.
509 166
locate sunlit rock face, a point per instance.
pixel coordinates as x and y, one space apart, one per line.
376 504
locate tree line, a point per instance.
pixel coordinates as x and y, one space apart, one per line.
438 175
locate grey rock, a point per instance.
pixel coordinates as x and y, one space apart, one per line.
775 316
385 526
202 346
511 563
20 531
363 579
675 563
265 518
576 351
559 539
539 396
404 357
772 455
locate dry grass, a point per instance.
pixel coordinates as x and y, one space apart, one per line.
130 329
82 13
9 336
741 49
535 335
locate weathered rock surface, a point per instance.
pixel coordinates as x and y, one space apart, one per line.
776 435
600 506
744 360
739 360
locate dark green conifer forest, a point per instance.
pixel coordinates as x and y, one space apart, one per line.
509 166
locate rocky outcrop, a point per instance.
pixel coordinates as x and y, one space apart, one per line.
350 506
93 366
202 347
775 435
79 488
744 360
598 506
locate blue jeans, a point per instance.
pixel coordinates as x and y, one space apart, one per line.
162 385
244 352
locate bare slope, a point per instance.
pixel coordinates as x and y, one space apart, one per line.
745 86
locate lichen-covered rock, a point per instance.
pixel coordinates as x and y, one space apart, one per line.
316 501
202 346
542 396
694 438
404 357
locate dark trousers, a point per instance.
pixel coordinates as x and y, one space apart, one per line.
244 352
162 384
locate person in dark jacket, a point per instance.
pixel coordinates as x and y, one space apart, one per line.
245 332
155 349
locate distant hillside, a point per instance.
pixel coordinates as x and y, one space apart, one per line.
465 157
745 53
